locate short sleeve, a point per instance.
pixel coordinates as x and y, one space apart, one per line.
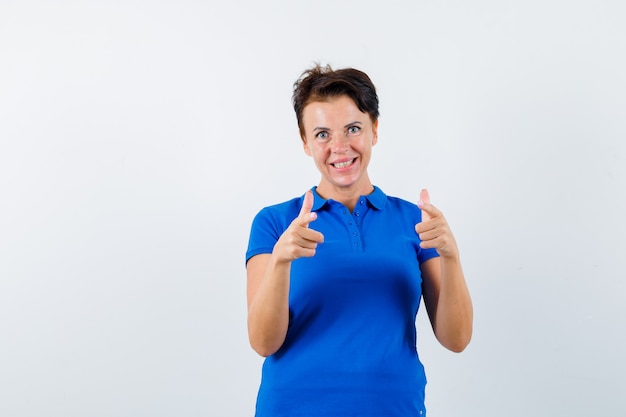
268 225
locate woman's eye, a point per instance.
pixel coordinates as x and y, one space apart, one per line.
353 129
322 136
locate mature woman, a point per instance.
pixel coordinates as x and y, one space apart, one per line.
335 277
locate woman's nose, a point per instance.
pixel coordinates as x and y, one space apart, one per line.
339 143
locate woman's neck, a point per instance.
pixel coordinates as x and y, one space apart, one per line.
348 196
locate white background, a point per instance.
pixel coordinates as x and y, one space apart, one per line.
139 138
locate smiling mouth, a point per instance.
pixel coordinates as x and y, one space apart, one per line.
344 164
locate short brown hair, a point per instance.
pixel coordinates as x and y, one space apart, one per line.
322 83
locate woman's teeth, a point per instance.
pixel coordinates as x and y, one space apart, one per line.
343 164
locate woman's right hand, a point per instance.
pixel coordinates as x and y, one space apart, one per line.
299 240
269 279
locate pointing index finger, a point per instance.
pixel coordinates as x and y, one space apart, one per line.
305 212
424 200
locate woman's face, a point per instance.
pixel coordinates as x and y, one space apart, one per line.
339 137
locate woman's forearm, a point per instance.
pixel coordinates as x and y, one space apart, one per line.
454 317
268 306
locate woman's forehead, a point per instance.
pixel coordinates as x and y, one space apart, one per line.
336 109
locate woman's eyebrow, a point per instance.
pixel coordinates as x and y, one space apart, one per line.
320 128
356 122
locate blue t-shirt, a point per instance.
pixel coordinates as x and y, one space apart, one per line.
350 348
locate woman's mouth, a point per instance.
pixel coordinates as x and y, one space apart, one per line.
343 164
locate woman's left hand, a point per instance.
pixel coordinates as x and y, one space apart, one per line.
433 230
445 291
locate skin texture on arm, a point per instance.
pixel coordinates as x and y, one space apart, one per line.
268 281
446 295
268 303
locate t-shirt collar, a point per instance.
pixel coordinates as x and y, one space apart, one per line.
376 199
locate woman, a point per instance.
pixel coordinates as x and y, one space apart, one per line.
335 277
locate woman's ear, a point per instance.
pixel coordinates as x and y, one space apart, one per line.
375 132
305 145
